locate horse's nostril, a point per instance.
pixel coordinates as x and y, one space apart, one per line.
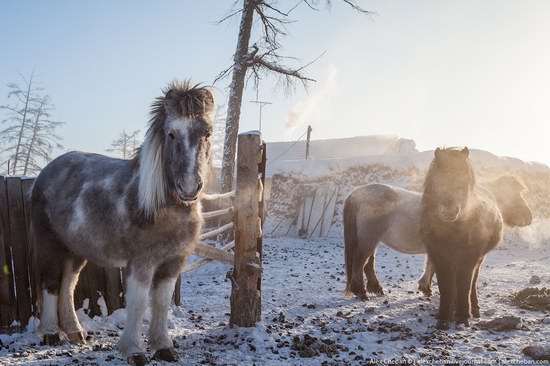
199 185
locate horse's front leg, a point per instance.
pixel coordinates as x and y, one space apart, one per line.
137 294
161 296
446 283
465 275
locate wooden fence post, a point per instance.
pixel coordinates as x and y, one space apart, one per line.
245 292
19 249
8 309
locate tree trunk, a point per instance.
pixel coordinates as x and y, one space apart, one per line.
22 130
235 96
33 139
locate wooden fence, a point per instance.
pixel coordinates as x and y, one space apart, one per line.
18 284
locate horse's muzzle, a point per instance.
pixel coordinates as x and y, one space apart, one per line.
448 215
189 196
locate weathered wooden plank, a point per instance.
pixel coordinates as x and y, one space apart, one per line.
245 297
177 291
207 251
26 188
216 232
113 289
19 249
7 293
96 287
204 261
211 214
215 196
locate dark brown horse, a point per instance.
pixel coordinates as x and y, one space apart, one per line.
460 223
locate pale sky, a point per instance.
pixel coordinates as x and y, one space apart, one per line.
444 73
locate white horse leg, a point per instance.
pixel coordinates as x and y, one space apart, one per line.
137 294
162 289
161 297
67 315
49 323
425 282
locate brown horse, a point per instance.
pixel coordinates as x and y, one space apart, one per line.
381 213
460 223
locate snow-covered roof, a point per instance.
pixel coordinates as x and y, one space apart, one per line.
341 148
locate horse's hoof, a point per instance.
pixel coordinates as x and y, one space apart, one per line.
51 339
166 354
443 324
463 321
375 289
76 338
362 296
137 359
427 291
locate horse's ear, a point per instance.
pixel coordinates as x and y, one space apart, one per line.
169 94
437 152
208 100
465 152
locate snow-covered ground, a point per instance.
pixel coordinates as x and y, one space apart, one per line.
302 301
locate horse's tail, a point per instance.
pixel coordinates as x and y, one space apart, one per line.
350 238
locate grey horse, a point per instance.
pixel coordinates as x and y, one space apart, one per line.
143 214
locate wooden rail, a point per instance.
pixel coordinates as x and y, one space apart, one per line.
211 214
207 260
216 232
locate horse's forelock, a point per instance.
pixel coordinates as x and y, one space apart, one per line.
185 102
449 158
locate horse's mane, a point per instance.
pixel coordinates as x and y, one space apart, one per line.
508 180
184 101
447 156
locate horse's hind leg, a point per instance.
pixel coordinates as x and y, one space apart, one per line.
368 237
67 315
357 286
474 302
48 254
425 282
373 285
161 296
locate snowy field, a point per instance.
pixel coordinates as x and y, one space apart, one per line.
307 321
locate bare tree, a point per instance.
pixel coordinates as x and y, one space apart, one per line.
19 116
126 144
29 134
263 57
42 138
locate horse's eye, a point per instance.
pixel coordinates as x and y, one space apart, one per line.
172 136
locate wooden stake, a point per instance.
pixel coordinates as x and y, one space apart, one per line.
245 295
